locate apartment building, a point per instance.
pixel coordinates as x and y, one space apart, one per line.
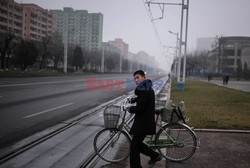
80 27
234 51
28 21
119 43
11 17
38 23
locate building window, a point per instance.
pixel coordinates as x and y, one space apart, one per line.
239 53
4 4
4 12
228 61
3 27
3 19
228 52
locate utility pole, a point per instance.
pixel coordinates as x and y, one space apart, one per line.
102 66
120 63
177 70
65 58
185 7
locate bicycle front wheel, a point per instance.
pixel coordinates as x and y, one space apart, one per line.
176 142
112 145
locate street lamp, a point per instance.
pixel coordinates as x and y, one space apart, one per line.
176 56
185 8
65 58
102 63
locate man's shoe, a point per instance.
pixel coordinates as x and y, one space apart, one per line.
158 158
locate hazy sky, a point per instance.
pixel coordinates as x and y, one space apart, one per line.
129 20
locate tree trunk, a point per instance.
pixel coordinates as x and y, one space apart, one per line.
41 63
2 59
7 60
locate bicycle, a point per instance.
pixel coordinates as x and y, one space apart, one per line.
175 141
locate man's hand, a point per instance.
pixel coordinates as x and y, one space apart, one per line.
132 100
126 108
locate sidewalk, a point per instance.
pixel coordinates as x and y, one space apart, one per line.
217 150
238 85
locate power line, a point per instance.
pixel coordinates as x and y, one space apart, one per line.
149 12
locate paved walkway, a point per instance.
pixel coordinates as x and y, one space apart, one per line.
239 85
217 150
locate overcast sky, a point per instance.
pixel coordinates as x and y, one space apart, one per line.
129 20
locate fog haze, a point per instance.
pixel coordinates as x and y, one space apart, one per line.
129 20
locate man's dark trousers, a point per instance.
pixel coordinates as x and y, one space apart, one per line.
137 147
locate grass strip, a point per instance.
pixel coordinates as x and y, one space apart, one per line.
212 106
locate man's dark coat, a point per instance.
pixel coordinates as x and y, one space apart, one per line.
144 123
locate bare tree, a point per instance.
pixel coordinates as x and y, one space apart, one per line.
77 60
44 51
5 45
26 54
56 50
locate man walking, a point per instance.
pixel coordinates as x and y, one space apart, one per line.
144 122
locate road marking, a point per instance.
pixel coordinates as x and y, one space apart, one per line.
79 86
39 83
45 111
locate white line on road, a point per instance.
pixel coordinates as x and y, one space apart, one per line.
39 83
45 111
80 86
68 81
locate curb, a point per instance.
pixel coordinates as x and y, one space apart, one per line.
222 131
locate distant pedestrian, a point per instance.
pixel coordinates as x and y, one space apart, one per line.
209 78
226 79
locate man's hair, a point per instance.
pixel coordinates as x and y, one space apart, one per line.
139 72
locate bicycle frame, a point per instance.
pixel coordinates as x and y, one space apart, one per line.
164 143
169 137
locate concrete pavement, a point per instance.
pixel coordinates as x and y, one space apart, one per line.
217 150
238 85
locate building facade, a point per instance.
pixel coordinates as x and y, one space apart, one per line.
119 43
38 23
28 21
80 27
110 48
233 53
11 17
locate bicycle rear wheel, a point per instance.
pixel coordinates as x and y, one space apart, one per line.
176 142
112 145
